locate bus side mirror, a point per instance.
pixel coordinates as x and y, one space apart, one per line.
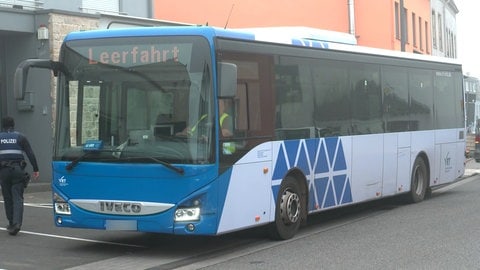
227 74
20 81
21 74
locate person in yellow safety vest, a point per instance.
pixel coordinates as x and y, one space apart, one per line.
226 126
225 123
225 120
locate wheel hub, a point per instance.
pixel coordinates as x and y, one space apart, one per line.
419 176
290 207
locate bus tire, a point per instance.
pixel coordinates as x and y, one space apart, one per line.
288 210
419 181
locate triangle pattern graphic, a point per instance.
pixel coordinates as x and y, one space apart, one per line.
322 160
340 163
281 165
321 188
291 147
329 196
311 145
347 193
339 183
331 144
322 163
302 162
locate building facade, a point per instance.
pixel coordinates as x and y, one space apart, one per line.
444 28
404 24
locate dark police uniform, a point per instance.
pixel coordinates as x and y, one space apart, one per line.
13 146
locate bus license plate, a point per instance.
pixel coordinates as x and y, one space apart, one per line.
121 225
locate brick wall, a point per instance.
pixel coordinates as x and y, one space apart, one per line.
60 25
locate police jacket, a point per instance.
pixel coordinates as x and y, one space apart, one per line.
12 147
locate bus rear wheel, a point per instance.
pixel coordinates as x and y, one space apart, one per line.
288 211
419 181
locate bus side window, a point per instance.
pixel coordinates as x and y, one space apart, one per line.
332 98
252 107
294 99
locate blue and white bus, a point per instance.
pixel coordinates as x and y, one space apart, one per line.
315 125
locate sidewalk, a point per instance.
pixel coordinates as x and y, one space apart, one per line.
471 168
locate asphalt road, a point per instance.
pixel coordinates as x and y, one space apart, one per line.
439 233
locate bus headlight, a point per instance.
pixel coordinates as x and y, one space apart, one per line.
62 208
187 214
60 205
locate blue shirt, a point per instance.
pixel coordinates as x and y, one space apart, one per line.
13 146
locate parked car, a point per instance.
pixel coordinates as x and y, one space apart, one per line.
476 154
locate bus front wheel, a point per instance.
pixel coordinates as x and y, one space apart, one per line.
288 211
419 182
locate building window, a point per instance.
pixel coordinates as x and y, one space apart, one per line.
434 30
23 4
420 35
454 46
414 29
397 21
427 48
406 24
448 43
101 6
451 44
440 33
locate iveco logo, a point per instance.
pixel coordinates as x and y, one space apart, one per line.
120 207
124 208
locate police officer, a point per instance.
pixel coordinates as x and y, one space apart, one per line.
13 178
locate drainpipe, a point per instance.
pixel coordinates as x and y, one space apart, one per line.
351 17
403 26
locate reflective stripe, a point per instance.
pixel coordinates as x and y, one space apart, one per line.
222 118
6 152
192 130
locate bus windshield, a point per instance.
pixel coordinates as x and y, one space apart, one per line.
139 99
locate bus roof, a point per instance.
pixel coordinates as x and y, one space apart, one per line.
285 34
296 36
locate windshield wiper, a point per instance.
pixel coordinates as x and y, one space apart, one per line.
90 146
168 165
164 163
74 162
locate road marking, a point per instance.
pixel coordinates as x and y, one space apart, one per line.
39 205
130 261
78 239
